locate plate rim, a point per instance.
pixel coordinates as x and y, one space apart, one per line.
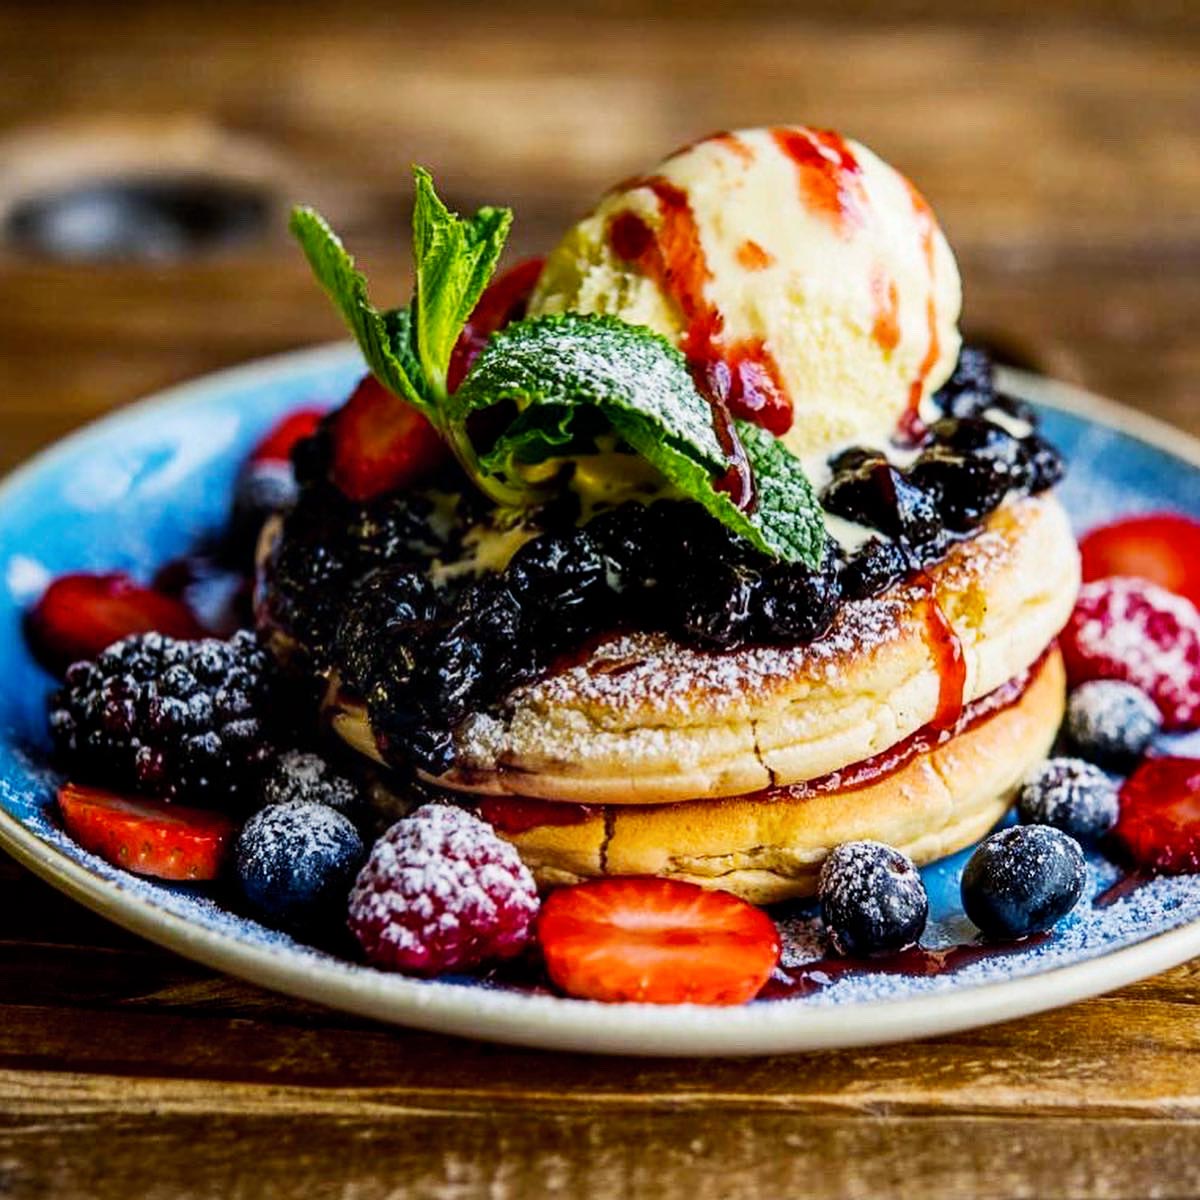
551 1022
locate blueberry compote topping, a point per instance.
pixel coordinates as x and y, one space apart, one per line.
353 582
969 461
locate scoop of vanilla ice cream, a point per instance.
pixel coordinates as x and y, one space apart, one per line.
789 248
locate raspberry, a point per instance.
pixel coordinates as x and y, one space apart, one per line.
1135 631
441 892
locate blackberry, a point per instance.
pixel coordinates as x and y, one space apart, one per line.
798 605
980 438
296 862
1016 408
450 677
970 390
559 579
300 776
178 720
878 495
1112 723
1071 795
489 613
872 899
716 605
1023 880
385 599
875 567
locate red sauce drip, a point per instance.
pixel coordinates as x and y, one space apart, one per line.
912 428
886 294
1123 886
519 814
946 647
811 977
830 176
742 376
930 737
753 257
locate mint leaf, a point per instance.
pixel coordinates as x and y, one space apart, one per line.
788 516
378 335
455 259
560 369
637 379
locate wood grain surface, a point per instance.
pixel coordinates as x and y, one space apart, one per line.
1060 144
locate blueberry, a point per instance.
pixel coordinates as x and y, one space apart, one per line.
854 459
798 605
1071 795
970 389
872 899
262 488
1112 723
716 605
487 612
451 675
982 439
875 567
560 581
296 862
1022 880
967 486
1042 463
624 539
878 495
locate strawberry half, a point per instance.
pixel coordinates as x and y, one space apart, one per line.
1159 825
380 443
148 837
656 941
1161 547
1132 630
505 299
295 427
80 614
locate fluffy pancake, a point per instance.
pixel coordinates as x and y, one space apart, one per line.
769 847
643 720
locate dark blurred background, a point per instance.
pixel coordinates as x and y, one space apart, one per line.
148 153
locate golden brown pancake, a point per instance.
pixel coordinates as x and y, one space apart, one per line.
644 720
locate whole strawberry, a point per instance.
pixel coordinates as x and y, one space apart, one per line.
441 892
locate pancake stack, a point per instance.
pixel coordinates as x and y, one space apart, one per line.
911 722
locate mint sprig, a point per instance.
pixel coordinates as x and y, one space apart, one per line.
571 379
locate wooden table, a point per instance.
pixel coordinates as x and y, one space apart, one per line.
1060 142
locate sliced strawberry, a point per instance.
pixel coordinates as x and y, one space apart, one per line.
79 615
148 837
1161 547
277 445
380 443
506 299
1159 825
1136 631
656 941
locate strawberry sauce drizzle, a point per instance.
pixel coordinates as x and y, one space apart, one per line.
886 294
912 428
811 977
741 376
830 176
946 648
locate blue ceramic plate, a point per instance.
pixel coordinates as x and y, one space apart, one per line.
151 481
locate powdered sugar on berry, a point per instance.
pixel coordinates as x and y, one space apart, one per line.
442 892
1136 631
